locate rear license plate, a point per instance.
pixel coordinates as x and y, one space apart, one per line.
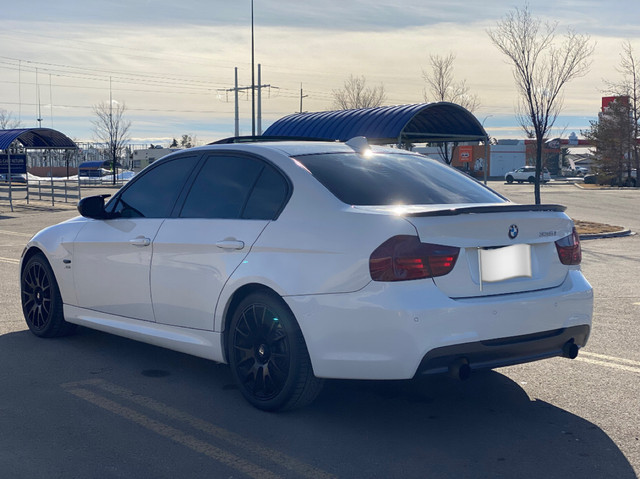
505 263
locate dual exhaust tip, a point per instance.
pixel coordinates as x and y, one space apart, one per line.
460 368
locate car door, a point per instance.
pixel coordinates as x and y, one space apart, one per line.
112 257
232 199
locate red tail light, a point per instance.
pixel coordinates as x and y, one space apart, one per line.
404 257
569 250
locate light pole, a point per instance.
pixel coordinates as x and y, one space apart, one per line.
253 81
486 151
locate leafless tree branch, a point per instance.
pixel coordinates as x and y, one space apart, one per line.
356 94
111 128
542 66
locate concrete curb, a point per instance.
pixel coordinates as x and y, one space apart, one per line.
605 188
616 234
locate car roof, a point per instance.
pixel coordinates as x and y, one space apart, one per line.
296 148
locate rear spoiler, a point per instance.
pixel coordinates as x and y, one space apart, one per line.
468 210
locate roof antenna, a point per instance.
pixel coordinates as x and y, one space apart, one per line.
359 144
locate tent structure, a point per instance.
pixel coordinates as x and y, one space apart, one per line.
417 123
32 138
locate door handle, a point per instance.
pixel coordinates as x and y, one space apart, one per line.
230 244
140 241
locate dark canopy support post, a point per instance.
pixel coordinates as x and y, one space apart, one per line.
9 173
51 177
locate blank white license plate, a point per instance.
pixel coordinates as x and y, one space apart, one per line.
504 263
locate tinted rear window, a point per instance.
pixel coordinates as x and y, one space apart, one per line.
390 178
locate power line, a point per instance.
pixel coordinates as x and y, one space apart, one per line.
101 74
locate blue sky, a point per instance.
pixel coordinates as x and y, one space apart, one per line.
172 62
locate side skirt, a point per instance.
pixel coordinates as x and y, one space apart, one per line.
204 344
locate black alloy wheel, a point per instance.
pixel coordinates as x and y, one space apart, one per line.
268 356
41 300
509 179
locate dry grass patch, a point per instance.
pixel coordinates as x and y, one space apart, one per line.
589 227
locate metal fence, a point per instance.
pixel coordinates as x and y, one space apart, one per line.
56 191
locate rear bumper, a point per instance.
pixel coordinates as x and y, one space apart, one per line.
399 330
500 352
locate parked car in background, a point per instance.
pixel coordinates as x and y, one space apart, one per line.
577 171
297 261
15 178
526 173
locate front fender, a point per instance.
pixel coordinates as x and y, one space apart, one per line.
56 243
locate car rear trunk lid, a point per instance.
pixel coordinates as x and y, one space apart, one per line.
504 248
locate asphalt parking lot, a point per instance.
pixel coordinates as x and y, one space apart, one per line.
95 405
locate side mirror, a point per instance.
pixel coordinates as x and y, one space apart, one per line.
93 207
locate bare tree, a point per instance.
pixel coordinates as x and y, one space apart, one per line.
355 94
112 129
7 122
629 86
541 69
441 86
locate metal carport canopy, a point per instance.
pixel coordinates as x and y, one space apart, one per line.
38 138
417 123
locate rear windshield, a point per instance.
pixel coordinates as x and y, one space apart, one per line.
394 178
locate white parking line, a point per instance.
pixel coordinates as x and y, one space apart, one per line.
15 233
82 389
220 455
9 260
610 358
621 364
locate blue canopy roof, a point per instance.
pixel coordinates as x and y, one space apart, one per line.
91 165
422 122
36 138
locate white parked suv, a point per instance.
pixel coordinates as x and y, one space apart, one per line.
526 173
296 261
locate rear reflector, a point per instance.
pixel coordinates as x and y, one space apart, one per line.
569 250
404 257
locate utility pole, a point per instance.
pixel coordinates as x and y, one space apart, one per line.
39 119
253 81
51 100
301 97
253 88
259 131
19 91
237 120
112 146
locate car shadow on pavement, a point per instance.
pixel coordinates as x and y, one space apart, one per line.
439 427
486 426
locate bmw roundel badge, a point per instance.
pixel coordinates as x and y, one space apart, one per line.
513 231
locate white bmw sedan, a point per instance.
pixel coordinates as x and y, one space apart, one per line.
298 261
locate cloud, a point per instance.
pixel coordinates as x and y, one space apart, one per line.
172 63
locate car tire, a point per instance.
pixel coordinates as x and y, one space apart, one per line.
532 179
41 300
268 355
509 179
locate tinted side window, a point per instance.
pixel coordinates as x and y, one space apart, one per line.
267 197
154 193
222 187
